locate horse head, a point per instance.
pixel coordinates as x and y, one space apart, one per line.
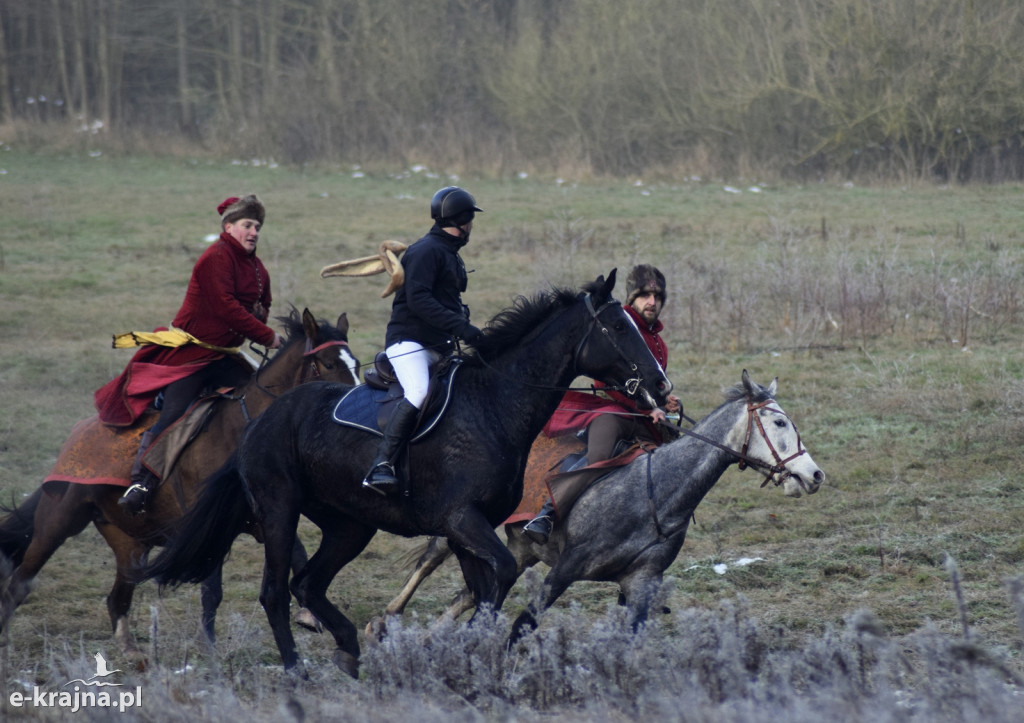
327 350
773 444
614 350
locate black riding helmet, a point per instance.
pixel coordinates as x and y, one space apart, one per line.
453 206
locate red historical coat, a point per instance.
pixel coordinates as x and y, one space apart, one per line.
227 301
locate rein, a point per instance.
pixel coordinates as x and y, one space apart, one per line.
768 470
311 372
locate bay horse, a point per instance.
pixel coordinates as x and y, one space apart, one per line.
30 534
629 525
467 472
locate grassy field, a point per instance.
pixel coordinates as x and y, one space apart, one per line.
892 317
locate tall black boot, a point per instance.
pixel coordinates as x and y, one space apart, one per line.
134 499
382 477
539 528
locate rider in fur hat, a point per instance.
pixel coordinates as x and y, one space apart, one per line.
616 416
227 301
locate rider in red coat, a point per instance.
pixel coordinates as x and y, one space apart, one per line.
227 301
612 416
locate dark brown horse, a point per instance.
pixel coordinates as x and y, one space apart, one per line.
61 508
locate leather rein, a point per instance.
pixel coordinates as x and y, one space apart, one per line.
776 473
309 373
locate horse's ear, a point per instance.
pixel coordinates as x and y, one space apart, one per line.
772 387
748 386
309 325
607 284
343 323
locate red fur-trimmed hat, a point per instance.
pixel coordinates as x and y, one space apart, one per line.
643 279
234 208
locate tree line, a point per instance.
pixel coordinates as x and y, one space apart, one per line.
802 88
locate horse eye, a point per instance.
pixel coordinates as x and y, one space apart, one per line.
780 422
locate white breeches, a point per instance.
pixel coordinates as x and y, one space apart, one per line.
412 368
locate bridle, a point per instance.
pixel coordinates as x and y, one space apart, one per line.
779 468
630 386
777 473
309 373
313 370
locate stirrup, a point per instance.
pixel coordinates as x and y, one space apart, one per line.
388 480
539 529
134 499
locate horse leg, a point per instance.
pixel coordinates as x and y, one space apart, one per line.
521 548
129 554
303 617
280 533
437 552
211 593
339 545
638 589
558 580
56 519
487 565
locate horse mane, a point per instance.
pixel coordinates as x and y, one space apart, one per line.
528 314
739 391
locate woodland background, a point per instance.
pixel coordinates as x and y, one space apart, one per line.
800 89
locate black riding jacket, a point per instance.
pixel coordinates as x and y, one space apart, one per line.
428 307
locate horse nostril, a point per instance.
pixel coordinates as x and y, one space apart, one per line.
819 476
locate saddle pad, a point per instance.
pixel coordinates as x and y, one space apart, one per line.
543 480
97 453
359 406
101 454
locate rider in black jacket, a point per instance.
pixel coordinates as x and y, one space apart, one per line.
427 315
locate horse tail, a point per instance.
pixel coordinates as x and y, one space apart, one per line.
17 527
202 539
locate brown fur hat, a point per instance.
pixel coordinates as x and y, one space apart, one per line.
642 279
234 208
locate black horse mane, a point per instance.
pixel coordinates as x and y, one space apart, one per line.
527 314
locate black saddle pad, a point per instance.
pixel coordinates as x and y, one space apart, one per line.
360 406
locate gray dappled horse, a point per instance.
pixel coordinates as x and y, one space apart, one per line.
629 525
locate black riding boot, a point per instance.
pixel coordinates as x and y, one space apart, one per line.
134 499
540 526
382 477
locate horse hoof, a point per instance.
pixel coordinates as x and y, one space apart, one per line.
375 630
305 619
347 663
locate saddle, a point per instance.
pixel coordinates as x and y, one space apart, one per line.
368 406
574 475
